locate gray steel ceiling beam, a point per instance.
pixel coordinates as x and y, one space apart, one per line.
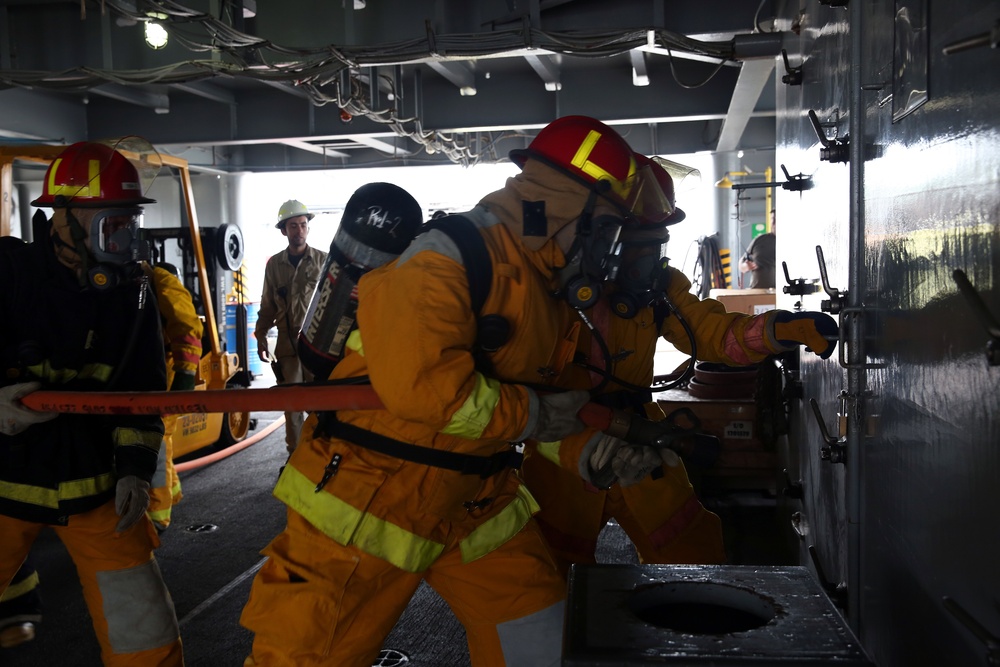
459 73
158 102
379 145
547 69
42 116
286 88
313 148
754 75
640 75
208 91
4 39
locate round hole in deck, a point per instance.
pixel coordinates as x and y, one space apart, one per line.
702 608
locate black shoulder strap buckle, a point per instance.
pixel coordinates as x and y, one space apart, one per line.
466 464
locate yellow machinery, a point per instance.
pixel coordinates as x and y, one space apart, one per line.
197 429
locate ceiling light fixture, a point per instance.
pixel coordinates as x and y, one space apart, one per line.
156 34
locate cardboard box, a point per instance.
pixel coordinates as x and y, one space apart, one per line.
749 301
743 455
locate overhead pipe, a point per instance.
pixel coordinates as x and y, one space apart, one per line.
752 46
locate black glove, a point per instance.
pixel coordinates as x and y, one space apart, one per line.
183 381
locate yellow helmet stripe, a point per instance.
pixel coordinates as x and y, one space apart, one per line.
92 188
581 160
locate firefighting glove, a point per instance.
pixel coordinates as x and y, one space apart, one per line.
14 417
557 417
607 459
817 331
131 501
183 381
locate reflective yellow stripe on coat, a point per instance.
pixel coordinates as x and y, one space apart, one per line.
348 525
50 498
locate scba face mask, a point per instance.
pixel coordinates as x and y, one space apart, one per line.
642 279
594 259
116 236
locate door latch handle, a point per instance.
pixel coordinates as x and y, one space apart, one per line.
991 641
835 303
834 150
797 287
836 591
793 75
835 450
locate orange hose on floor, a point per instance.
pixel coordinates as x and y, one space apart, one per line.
194 464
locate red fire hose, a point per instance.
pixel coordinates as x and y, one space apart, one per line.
290 398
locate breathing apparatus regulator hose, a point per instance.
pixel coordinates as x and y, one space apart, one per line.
608 376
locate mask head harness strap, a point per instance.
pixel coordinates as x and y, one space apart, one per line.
643 278
594 256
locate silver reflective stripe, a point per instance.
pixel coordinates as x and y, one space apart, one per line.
138 608
160 475
535 639
436 241
361 253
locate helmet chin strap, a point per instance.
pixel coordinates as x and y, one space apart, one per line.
579 287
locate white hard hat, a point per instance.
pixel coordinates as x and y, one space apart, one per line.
292 209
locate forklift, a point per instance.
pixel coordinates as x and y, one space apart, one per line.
206 254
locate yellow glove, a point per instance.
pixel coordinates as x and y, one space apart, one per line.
818 332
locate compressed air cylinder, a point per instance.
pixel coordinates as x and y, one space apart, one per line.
379 222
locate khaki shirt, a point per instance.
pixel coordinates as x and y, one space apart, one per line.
287 291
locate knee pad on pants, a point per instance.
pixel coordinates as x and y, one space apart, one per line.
138 608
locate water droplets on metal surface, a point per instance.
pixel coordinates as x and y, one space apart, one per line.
201 528
390 657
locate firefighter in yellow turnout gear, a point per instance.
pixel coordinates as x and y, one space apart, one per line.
661 514
182 332
425 489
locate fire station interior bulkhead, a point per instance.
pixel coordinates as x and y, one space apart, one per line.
858 494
